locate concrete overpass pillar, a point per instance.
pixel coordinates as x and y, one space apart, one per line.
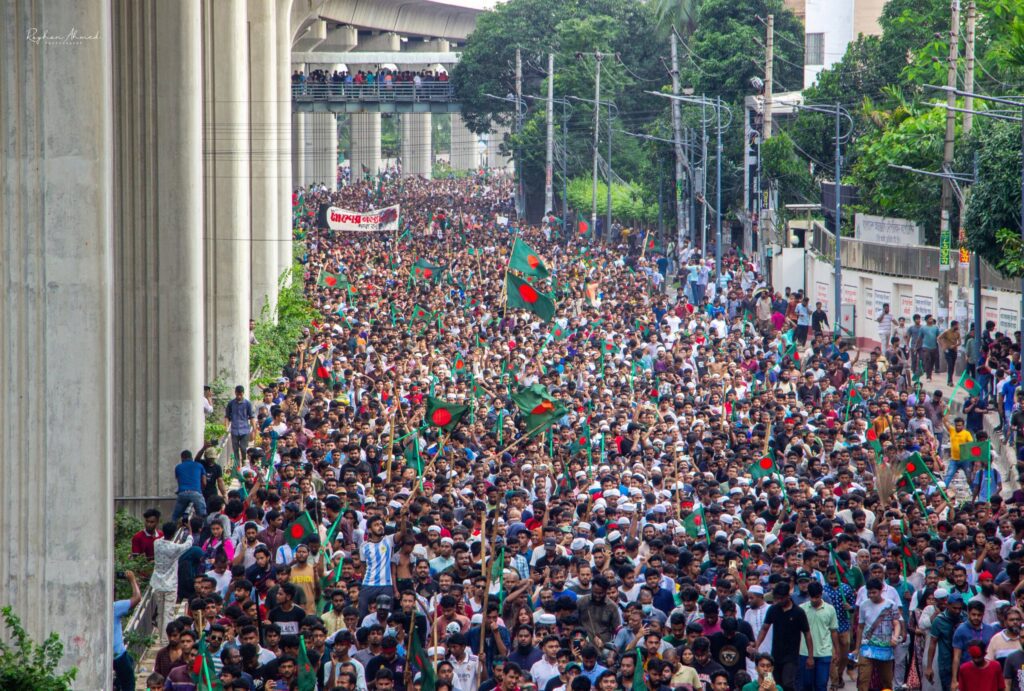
496 159
364 135
299 149
321 155
56 352
226 204
158 245
283 40
465 155
417 144
263 144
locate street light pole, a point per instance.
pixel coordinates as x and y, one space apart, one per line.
838 260
718 195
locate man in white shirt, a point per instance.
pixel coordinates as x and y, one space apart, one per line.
165 576
546 668
465 664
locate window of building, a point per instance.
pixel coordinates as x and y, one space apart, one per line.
814 49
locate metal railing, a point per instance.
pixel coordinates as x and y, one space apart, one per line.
427 92
142 622
893 260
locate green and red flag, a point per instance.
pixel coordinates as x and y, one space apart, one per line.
321 370
526 261
418 656
204 674
913 466
968 384
443 414
413 457
584 227
839 566
873 442
539 407
560 334
329 279
300 529
763 467
976 451
458 365
420 313
520 294
307 676
426 270
694 523
639 682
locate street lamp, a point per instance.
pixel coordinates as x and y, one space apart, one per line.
718 107
839 112
1018 106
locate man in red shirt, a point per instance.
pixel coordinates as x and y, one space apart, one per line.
980 674
142 541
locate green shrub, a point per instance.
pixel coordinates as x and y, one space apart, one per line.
277 333
126 525
24 664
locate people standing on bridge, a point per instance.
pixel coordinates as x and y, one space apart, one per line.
240 420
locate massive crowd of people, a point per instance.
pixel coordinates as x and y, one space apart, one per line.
676 481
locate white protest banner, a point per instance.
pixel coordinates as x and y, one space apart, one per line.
372 221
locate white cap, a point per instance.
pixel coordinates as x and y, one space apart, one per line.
755 590
577 544
477 619
726 518
612 494
434 529
627 507
614 536
583 526
941 594
770 538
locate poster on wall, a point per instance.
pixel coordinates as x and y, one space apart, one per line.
989 313
1008 322
821 293
869 303
906 306
923 305
849 295
883 297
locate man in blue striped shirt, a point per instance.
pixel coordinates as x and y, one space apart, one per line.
376 553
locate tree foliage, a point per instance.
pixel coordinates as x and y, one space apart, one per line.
627 200
25 664
785 170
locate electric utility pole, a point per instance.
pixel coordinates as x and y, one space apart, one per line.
549 195
520 198
945 243
676 136
963 276
769 55
597 131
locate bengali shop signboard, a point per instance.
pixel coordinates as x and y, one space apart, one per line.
372 221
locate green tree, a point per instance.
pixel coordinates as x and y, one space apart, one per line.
992 215
789 174
678 14
25 664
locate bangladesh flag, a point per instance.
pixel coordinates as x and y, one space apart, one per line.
419 658
763 467
912 467
694 523
872 437
560 334
976 452
329 279
322 372
855 398
307 677
639 683
458 365
412 456
427 270
443 414
204 674
584 227
299 529
522 295
420 313
609 348
539 407
526 261
969 385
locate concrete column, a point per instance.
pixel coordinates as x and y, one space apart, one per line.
417 144
158 251
465 154
495 159
298 149
263 144
56 345
321 144
365 138
283 39
226 204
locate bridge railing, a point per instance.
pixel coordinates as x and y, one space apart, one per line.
395 91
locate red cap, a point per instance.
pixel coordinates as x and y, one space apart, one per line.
985 576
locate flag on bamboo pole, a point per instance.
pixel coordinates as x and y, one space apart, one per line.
307 677
426 270
520 294
525 261
418 656
420 313
204 674
539 407
458 365
968 384
639 683
873 442
976 451
913 466
560 334
321 370
329 279
443 414
763 467
300 529
694 523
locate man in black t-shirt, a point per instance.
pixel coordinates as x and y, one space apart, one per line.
790 623
703 662
287 614
729 647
